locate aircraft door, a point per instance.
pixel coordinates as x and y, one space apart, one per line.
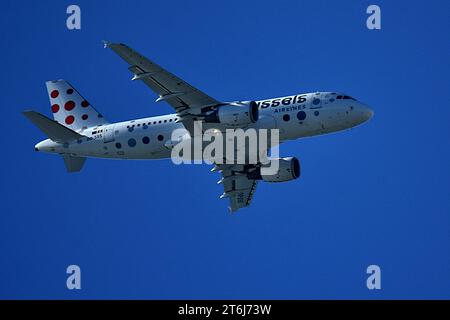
316 102
316 114
108 134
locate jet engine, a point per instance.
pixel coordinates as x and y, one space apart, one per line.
288 169
235 114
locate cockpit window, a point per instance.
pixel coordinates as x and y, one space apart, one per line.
345 98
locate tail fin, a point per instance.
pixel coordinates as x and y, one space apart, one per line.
70 109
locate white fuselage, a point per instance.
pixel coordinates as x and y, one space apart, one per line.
295 116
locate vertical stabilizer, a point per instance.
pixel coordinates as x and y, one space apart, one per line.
70 109
73 164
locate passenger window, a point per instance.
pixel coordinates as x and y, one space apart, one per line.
132 142
301 115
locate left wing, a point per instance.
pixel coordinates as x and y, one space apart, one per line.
182 96
238 187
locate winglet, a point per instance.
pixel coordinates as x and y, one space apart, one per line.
231 210
106 44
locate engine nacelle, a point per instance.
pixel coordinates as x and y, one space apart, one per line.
235 114
289 169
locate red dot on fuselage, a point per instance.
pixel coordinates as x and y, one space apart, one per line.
84 116
54 94
69 91
84 104
69 105
55 108
70 119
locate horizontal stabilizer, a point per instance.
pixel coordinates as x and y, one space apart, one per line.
51 128
73 164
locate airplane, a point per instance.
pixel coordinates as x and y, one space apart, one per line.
79 131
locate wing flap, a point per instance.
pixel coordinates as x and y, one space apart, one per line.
237 186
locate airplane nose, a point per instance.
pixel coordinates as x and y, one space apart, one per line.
366 112
37 146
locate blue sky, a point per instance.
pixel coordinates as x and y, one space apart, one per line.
377 194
